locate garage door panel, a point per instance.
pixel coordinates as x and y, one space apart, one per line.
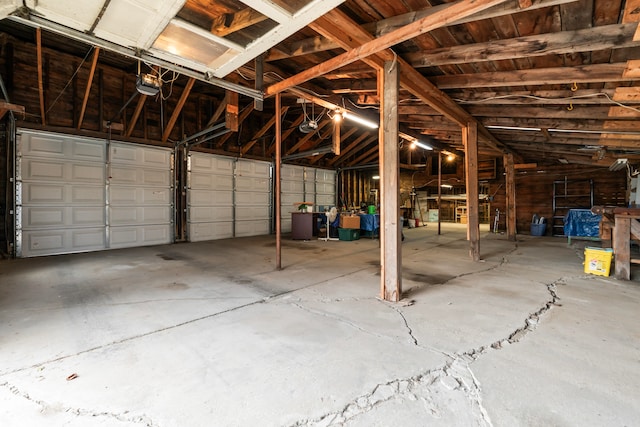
210 182
323 175
253 199
145 196
292 187
325 188
210 198
62 147
48 242
253 168
139 156
128 215
61 216
210 231
325 200
255 212
135 176
210 214
292 173
61 170
200 162
38 193
252 228
244 183
140 235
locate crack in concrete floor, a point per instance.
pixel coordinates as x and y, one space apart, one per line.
124 417
455 376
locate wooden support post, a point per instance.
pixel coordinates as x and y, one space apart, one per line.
511 196
470 141
258 104
278 166
336 134
233 108
390 244
40 78
621 247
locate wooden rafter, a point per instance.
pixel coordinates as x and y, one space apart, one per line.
320 44
371 152
92 71
245 149
5 107
218 113
431 22
136 115
232 22
178 109
353 146
343 138
286 133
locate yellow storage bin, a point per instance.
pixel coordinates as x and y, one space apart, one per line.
597 261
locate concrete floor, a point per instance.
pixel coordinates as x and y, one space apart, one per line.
209 334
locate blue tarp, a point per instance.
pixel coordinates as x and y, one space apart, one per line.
369 222
582 223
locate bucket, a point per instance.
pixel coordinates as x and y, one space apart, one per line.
372 209
597 261
538 229
412 223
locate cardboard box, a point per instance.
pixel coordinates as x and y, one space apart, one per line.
347 221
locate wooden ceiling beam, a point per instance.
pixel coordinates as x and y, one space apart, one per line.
595 73
321 44
433 21
343 137
586 40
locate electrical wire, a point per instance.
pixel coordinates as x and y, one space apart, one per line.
70 79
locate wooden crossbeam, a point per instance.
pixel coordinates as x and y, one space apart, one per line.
229 23
429 23
243 115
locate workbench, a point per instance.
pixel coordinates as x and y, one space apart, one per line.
625 225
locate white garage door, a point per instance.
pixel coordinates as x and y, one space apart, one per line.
60 198
139 195
252 198
325 188
292 192
227 197
72 198
209 197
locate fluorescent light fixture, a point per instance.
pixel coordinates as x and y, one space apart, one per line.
422 145
514 128
360 120
563 161
613 132
375 177
449 186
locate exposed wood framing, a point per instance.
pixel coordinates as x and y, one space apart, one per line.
218 113
243 116
136 114
40 78
428 23
233 108
390 243
245 149
232 22
94 63
352 147
470 141
307 137
286 133
511 196
178 109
